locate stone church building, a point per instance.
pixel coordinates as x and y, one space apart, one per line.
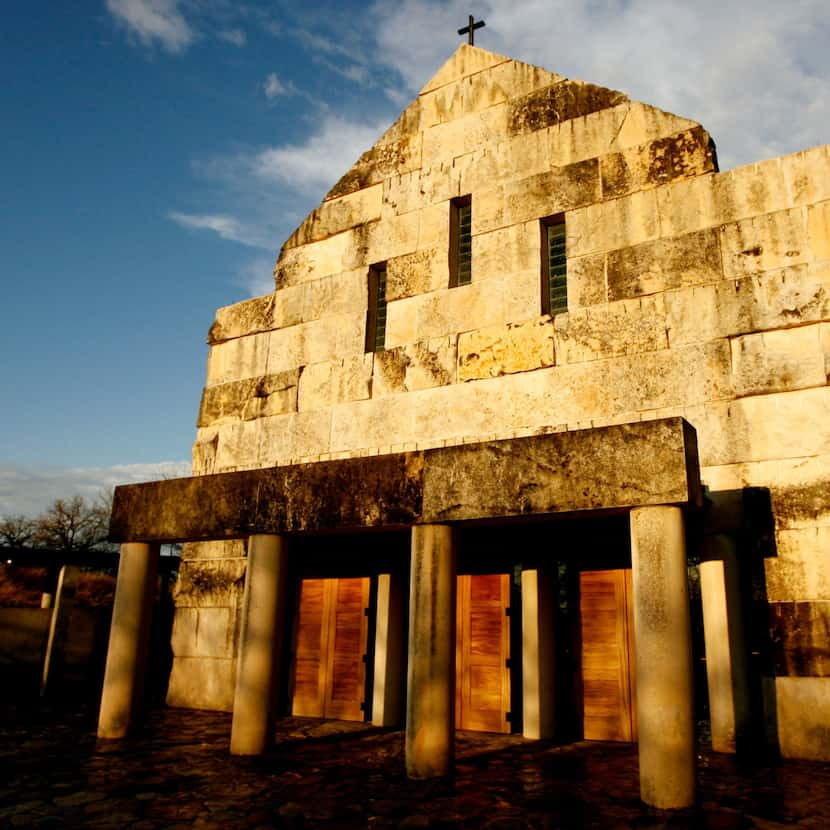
531 436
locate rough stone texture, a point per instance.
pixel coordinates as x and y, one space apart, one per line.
627 327
248 317
325 384
249 399
693 259
502 350
420 365
801 634
803 713
777 361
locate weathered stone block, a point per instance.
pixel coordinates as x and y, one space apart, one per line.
466 60
202 683
443 142
643 123
482 90
609 226
586 281
584 138
324 384
288 438
801 568
203 632
238 446
376 423
415 366
627 327
522 295
244 357
803 717
459 309
316 259
204 451
385 159
417 273
248 317
380 242
801 491
345 293
777 361
560 102
503 350
533 198
519 157
499 253
224 549
775 299
807 175
662 160
799 632
765 242
212 577
818 226
663 264
337 214
249 399
765 427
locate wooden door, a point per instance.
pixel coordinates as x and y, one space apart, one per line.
482 683
608 669
329 667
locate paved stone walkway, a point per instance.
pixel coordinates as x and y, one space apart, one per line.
177 773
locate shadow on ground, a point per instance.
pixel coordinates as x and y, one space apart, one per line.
176 773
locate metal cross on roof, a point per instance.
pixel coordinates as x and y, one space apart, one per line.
470 28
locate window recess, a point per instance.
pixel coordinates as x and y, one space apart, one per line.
554 266
461 241
376 311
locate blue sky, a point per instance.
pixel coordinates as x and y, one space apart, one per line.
156 153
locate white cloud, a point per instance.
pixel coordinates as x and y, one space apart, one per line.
755 77
316 164
30 489
154 22
237 37
274 87
257 276
226 226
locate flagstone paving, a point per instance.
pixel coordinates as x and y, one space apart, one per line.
176 773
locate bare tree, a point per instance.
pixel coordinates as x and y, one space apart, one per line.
17 531
74 525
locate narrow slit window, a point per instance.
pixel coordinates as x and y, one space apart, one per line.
461 241
554 267
376 313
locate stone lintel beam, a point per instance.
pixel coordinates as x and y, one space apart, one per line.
616 467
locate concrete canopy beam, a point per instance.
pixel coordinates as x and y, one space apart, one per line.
628 465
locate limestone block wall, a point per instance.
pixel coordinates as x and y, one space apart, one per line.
208 599
690 292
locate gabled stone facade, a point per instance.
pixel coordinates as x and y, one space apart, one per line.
691 293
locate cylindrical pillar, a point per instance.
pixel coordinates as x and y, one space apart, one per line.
663 644
260 645
723 631
430 705
129 634
538 655
387 692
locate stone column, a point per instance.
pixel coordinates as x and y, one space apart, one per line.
662 637
387 692
260 645
538 655
129 636
430 705
723 631
54 662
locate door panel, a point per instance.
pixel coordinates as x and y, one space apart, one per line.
332 628
609 702
482 688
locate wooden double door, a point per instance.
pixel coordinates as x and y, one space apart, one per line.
330 652
329 671
609 693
